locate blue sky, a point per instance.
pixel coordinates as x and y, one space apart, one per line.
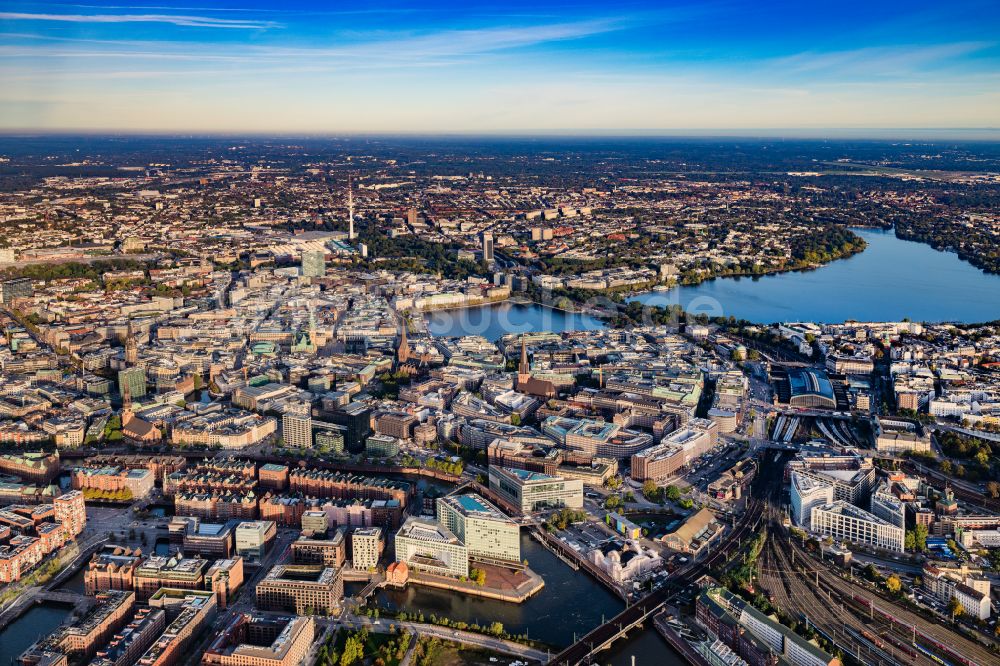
498 66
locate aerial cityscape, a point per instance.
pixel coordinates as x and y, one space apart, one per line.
495 369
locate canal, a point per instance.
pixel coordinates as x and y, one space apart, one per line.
37 622
570 603
647 647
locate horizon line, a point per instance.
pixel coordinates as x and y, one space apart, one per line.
893 133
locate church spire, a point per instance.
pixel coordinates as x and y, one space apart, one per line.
403 351
131 347
523 368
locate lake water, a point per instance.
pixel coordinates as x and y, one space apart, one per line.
494 321
890 280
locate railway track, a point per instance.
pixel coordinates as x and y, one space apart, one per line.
793 591
858 620
948 645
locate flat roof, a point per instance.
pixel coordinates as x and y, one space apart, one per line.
527 475
475 506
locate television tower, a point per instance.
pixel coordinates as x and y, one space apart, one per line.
350 210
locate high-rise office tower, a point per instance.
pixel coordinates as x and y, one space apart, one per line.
132 380
487 246
313 263
16 288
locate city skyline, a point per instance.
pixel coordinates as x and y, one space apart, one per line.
555 67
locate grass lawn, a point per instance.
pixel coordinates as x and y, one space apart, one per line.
436 652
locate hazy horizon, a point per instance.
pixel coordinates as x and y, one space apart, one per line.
984 134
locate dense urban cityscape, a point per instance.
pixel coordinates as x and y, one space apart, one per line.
396 401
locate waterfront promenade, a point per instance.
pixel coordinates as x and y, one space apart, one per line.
383 625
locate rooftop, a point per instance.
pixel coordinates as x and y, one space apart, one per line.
805 381
475 506
426 530
526 475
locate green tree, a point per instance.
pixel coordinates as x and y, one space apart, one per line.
673 493
650 489
354 651
920 537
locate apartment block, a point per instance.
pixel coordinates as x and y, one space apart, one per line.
806 493
366 548
257 640
195 610
168 572
111 568
328 548
675 451
253 538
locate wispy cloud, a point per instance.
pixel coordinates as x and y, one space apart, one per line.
375 49
445 43
171 8
256 10
877 60
173 19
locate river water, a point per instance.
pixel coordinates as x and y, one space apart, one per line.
891 280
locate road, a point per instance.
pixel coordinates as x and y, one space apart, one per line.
244 600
